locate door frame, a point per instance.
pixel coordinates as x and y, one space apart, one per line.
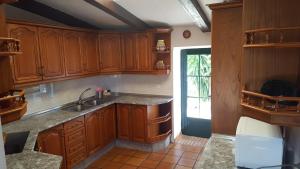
203 124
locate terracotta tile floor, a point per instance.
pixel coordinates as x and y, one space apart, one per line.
178 155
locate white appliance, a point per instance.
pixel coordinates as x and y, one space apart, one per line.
258 144
2 153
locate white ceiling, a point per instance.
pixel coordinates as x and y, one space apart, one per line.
153 12
157 12
85 12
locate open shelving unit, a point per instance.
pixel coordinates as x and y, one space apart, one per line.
273 108
9 46
284 37
12 106
158 55
160 123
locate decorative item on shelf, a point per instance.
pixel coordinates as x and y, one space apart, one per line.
9 46
161 46
12 106
160 65
186 34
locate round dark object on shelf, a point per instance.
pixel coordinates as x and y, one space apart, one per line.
280 88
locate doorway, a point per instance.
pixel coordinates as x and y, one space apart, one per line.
196 92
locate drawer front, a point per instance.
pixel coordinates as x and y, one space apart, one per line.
76 146
74 125
76 159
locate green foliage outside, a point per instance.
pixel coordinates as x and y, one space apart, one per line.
200 68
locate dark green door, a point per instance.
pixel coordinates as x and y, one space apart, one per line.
196 92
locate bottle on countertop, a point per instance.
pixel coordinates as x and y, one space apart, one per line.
99 93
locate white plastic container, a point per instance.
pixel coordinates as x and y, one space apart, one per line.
258 144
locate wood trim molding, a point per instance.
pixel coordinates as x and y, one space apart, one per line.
51 13
224 5
119 12
194 9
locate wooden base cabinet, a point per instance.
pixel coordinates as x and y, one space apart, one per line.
93 132
145 124
75 141
52 141
100 128
108 121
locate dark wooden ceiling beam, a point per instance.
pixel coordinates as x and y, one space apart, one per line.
51 13
195 10
114 9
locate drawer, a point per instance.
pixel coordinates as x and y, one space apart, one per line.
75 146
74 125
75 135
75 159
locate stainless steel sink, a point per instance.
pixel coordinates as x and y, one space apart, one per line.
77 107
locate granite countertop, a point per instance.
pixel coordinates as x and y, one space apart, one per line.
218 153
30 159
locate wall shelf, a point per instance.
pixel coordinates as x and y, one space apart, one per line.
273 45
272 109
285 37
9 46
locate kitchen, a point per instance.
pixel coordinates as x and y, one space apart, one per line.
101 84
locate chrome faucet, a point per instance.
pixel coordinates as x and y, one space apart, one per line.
80 99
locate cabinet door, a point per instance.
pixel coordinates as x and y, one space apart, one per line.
123 115
138 124
51 49
109 123
90 52
143 48
92 127
73 53
26 66
52 142
129 60
110 52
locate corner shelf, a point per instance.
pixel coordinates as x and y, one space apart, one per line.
9 46
159 122
270 108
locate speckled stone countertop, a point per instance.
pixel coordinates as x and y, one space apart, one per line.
29 159
218 153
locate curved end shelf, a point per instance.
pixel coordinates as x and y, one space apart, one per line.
268 108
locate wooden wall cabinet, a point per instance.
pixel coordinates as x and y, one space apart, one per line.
55 53
51 53
91 59
129 59
143 54
226 80
52 141
26 66
73 53
110 52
